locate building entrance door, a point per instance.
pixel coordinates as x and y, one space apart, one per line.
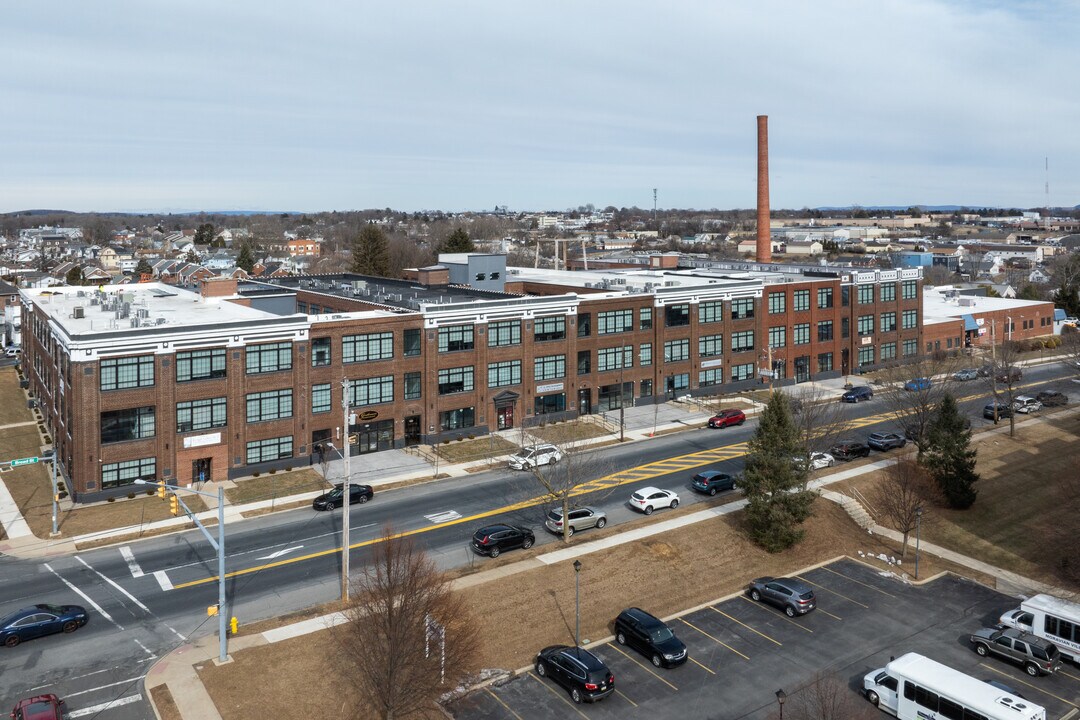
412 430
504 417
802 369
845 361
200 470
584 399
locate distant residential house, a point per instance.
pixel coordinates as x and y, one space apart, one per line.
749 245
1038 275
109 258
812 247
303 246
220 260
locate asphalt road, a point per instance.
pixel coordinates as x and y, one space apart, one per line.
147 597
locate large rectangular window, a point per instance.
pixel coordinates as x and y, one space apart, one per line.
584 324
260 451
710 346
367 347
504 333
908 289
584 362
320 351
127 372
546 404
269 357
824 362
712 376
866 325
909 319
888 292
457 419
455 380
645 354
501 374
412 342
801 300
552 327
549 367
615 358
131 424
645 318
127 472
615 321
888 322
742 308
201 414
676 350
710 311
371 391
801 334
824 298
742 341
888 351
777 303
200 365
742 372
270 405
865 295
825 330
778 337
455 338
866 356
320 398
911 348
413 385
677 315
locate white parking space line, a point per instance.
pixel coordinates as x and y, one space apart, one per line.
94 709
109 580
129 556
84 596
147 650
163 580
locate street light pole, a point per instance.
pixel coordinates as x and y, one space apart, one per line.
55 494
918 524
577 603
781 696
346 495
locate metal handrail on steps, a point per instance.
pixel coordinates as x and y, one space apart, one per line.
858 497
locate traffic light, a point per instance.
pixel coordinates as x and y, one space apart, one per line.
161 490
174 505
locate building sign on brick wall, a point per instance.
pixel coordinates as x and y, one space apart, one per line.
553 387
202 440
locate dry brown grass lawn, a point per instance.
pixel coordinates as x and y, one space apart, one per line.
280 484
12 399
567 433
665 574
479 449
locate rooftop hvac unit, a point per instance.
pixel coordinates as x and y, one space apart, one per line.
142 312
79 312
161 321
93 300
80 293
135 321
649 287
671 283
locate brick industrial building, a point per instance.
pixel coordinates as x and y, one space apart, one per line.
154 381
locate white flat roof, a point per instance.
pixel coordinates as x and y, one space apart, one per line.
937 307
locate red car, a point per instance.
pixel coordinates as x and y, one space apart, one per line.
727 417
41 707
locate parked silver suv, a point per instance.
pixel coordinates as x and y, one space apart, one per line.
581 518
1038 656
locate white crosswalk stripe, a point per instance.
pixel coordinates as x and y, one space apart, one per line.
442 517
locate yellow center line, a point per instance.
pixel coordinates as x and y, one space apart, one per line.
829 590
781 616
747 627
858 582
558 695
644 667
700 665
714 639
1024 682
499 700
619 693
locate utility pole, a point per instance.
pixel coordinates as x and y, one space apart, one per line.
993 367
346 496
55 493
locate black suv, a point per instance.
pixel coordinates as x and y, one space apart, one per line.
1004 410
849 450
649 636
493 539
579 671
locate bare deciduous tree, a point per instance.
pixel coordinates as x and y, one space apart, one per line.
394 660
905 487
829 698
820 419
914 408
1062 541
1005 377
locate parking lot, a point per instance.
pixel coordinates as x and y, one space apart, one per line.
742 652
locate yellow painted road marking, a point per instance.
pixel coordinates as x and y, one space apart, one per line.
647 668
499 700
714 639
1068 675
558 695
829 590
747 627
1024 682
699 664
619 693
781 615
858 581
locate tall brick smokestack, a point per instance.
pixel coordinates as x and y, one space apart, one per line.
764 240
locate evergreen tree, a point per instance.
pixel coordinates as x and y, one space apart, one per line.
74 276
949 456
457 242
144 268
775 486
204 234
371 254
246 260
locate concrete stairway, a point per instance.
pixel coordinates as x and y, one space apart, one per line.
853 508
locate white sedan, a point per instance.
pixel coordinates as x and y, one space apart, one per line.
648 499
817 461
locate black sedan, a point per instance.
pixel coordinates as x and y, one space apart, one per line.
358 494
849 450
33 622
711 482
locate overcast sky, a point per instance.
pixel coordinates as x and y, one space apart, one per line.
263 105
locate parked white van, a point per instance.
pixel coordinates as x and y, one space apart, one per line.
1050 618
